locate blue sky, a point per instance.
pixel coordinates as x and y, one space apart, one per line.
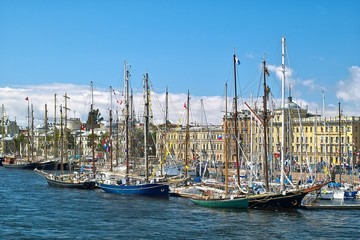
49 46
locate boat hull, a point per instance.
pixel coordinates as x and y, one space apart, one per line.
150 189
64 184
291 200
25 166
238 203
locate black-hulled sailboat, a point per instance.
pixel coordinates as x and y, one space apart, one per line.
71 179
12 161
283 199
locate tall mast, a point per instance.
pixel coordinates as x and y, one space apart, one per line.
323 102
164 151
92 116
28 130
166 108
187 133
126 76
110 135
266 173
32 133
55 132
282 113
46 129
340 152
201 137
117 138
237 140
226 147
65 146
62 142
3 130
146 127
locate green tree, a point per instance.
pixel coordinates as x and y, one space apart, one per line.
70 139
97 118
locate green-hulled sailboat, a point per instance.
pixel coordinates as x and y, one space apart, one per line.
225 200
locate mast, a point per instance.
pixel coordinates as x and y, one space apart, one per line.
28 130
236 125
3 130
126 76
340 152
282 113
165 131
146 127
187 134
55 132
226 147
92 116
166 108
62 142
266 174
46 129
325 145
32 133
117 138
65 146
201 137
110 137
80 144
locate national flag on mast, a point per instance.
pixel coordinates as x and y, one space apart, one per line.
185 105
26 99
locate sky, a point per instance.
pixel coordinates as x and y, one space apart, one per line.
57 47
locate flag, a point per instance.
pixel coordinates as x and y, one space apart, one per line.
237 61
82 127
26 99
219 137
184 105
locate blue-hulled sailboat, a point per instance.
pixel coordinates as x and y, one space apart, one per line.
132 186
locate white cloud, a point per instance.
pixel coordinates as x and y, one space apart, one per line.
79 104
349 89
309 83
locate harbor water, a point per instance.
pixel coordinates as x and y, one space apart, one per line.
30 209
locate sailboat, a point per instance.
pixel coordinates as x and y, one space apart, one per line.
283 199
67 180
212 199
136 185
12 161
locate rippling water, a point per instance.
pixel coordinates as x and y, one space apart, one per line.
30 209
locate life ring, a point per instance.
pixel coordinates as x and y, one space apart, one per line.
162 190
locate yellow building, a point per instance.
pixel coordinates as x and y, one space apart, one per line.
309 138
205 143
